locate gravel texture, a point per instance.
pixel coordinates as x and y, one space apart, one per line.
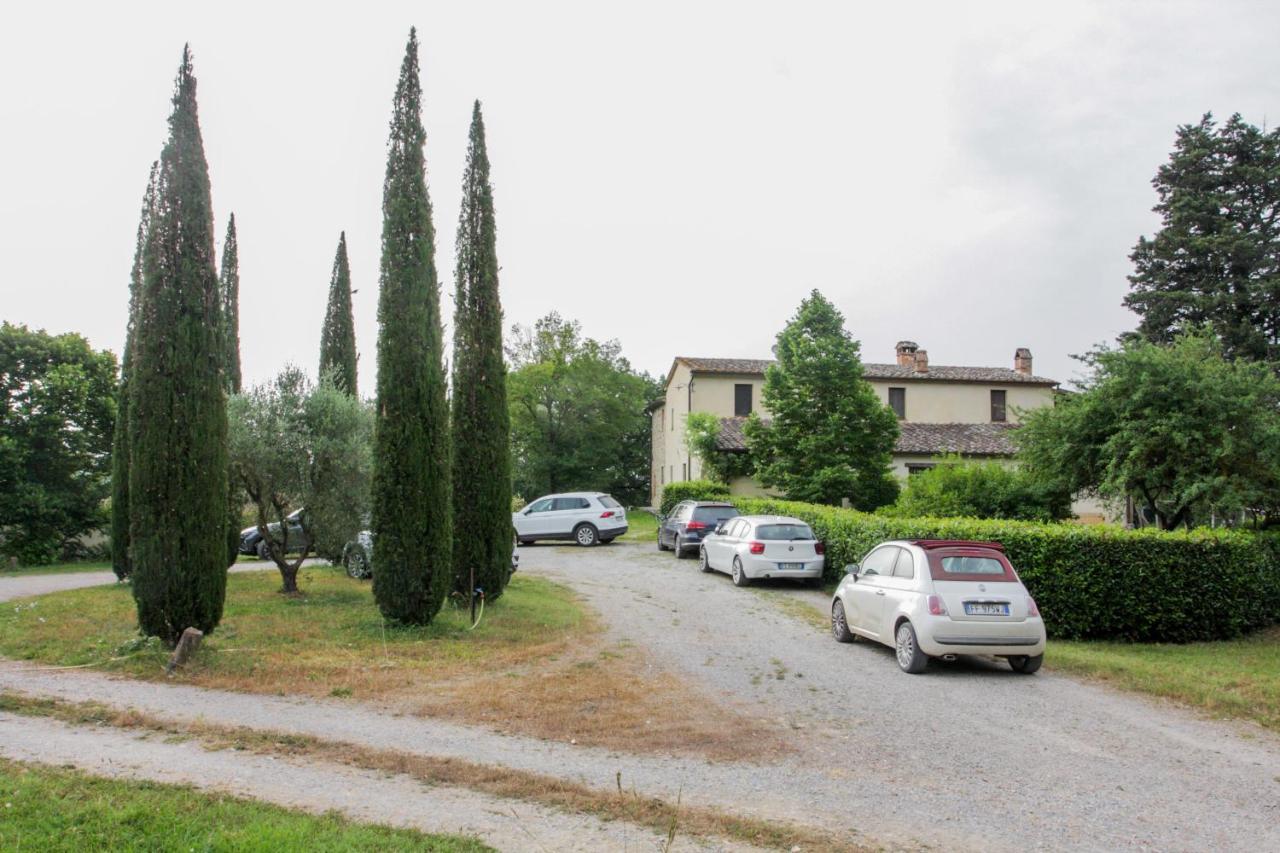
27 585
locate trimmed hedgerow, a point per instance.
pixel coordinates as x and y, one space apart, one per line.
1091 581
692 490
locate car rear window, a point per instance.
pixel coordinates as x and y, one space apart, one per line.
783 531
605 500
970 564
714 513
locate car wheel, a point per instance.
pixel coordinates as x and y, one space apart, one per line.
358 564
1025 664
681 553
739 576
910 658
702 560
264 552
839 625
585 535
661 547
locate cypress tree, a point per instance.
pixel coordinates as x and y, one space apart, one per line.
177 403
229 292
482 534
120 443
338 337
411 491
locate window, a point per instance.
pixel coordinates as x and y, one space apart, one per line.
713 515
914 468
898 402
972 566
880 561
571 503
609 502
906 565
738 530
784 532
997 405
684 470
543 505
741 400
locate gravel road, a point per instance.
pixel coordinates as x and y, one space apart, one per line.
23 586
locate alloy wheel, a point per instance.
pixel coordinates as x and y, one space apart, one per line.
906 645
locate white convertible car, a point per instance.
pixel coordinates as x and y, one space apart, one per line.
940 598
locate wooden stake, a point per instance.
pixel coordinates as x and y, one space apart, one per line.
187 645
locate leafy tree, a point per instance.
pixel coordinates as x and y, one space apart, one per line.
55 441
121 442
338 337
294 446
701 437
1180 429
177 401
229 287
412 515
481 426
830 437
577 413
1216 258
959 488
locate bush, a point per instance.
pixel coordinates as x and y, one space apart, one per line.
1095 581
691 490
979 490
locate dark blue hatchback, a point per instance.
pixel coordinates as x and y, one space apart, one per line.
682 530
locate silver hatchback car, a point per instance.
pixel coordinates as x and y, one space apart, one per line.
763 546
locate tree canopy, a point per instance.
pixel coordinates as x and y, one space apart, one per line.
830 437
338 335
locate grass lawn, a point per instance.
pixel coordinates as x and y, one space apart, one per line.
108 814
1230 678
641 527
55 569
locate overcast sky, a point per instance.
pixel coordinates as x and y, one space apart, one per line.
676 176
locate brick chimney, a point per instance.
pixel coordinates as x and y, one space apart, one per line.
922 361
1022 361
906 353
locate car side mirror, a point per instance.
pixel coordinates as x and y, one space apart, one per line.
852 570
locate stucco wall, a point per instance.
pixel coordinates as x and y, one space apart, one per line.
933 402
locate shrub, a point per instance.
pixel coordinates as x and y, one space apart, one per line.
691 490
1095 581
979 490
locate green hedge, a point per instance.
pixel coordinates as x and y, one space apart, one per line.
1091 581
691 490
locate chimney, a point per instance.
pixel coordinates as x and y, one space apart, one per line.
906 353
1022 361
922 361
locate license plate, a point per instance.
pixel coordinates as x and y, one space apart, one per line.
979 608
792 567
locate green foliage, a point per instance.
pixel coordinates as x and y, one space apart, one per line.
229 286
55 441
296 445
177 401
956 487
701 433
412 493
1179 428
691 490
577 413
1090 581
481 426
338 335
1216 259
830 437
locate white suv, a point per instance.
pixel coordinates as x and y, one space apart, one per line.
583 517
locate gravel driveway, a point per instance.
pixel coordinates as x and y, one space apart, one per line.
23 586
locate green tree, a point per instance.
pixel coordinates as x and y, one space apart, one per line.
481 427
958 487
1178 428
229 288
830 438
298 446
1216 258
55 441
412 515
177 401
702 438
121 442
577 413
338 336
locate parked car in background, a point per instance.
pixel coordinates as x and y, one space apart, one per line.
940 598
683 529
583 517
251 541
357 556
763 546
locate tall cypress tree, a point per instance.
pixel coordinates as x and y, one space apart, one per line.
229 292
481 425
411 491
177 403
120 442
338 337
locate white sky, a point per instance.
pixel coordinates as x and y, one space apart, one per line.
675 175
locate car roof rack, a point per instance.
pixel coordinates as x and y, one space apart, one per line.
955 543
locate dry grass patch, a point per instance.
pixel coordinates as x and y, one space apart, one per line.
536 665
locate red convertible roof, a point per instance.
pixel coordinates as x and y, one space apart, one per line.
955 543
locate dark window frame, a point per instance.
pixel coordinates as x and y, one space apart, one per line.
738 401
900 409
999 405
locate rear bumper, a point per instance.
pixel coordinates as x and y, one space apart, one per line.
949 637
757 568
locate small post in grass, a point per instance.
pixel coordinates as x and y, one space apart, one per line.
187 645
472 594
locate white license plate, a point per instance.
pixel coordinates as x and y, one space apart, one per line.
975 608
790 567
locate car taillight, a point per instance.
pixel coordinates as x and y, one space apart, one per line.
1032 610
607 514
819 548
936 606
696 525
757 547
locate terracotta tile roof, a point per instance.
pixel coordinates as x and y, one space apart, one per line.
934 439
938 372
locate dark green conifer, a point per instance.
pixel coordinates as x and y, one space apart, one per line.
482 533
229 291
411 491
177 402
120 442
338 337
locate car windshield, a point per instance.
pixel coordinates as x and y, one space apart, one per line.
783 531
714 513
972 566
605 500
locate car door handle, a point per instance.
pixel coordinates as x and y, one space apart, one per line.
879 592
